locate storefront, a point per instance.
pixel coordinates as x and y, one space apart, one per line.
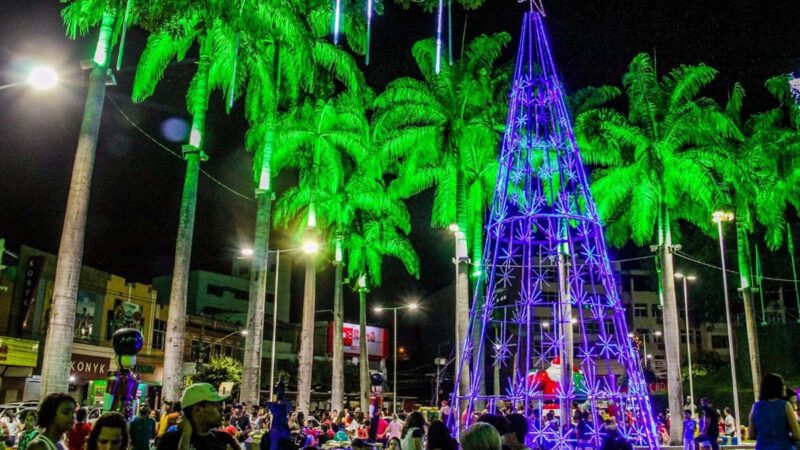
17 361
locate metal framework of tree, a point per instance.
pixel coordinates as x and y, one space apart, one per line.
549 295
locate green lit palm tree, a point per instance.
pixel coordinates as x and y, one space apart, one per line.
380 230
79 17
444 131
317 139
183 24
291 56
659 162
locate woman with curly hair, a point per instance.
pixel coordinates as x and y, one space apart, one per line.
110 433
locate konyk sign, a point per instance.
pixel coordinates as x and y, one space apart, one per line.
89 366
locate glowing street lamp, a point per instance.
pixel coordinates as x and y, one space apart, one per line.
413 306
41 78
310 247
247 252
719 217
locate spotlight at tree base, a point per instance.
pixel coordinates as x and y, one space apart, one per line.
42 78
310 247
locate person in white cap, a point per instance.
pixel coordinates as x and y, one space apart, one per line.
201 416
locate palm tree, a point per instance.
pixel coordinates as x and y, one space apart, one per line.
79 16
444 132
314 140
658 171
290 59
171 39
379 231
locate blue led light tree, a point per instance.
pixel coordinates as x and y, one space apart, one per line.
547 311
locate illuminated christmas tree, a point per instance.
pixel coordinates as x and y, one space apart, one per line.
547 313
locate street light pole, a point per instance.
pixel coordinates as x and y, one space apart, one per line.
274 326
411 306
719 217
394 369
688 340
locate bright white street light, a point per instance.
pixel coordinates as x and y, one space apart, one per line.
413 306
247 252
243 332
42 78
453 227
377 309
657 333
310 247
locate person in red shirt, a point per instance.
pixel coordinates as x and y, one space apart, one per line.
77 435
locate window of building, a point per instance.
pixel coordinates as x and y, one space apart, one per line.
655 311
240 294
228 351
217 350
639 310
592 328
719 341
195 350
159 332
215 290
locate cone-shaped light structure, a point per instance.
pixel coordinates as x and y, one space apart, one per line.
547 311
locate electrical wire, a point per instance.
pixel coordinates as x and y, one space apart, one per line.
633 259
173 152
690 258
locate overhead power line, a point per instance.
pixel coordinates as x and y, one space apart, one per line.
173 152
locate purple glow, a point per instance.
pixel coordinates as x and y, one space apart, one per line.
175 129
546 306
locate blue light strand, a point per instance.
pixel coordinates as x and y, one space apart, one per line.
439 37
336 21
369 29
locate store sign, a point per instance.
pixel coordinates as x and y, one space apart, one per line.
33 272
377 340
144 368
89 366
18 352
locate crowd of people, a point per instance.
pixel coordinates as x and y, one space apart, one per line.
203 421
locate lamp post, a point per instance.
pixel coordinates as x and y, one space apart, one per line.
379 309
309 247
686 278
719 217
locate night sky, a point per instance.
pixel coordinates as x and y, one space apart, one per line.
136 190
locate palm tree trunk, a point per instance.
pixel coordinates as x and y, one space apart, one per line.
337 376
254 342
176 321
363 357
306 355
462 289
743 253
251 373
60 332
671 329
